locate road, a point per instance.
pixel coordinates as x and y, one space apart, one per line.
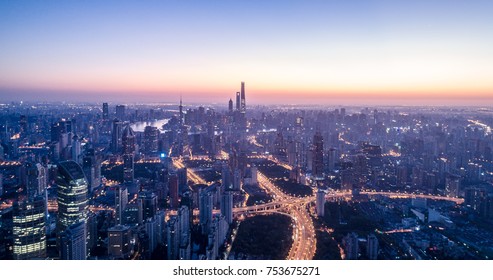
304 240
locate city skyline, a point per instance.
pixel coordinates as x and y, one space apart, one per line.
327 52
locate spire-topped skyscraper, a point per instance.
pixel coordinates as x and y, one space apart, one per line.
181 111
243 103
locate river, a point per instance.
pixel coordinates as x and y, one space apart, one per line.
140 126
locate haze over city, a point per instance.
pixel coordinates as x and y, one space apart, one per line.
333 52
246 130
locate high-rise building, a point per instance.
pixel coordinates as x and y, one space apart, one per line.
452 185
133 214
153 233
347 180
318 155
180 108
119 238
36 179
401 176
149 204
230 106
238 101
173 190
91 165
236 180
151 139
121 201
128 168
320 203
105 111
72 195
76 150
120 112
116 136
73 245
173 237
243 101
29 229
227 206
351 246
206 205
372 247
227 182
332 159
128 140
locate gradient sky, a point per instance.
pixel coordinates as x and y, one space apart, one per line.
416 52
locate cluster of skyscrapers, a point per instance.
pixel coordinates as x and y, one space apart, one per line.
144 182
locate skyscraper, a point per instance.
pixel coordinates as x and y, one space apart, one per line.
318 155
74 242
128 146
121 201
116 136
181 111
76 150
243 101
238 101
91 165
29 228
36 179
119 242
205 209
230 106
128 140
105 111
351 246
72 195
372 247
173 190
320 203
149 204
151 138
227 206
120 112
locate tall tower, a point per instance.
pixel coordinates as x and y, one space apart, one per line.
74 242
151 139
173 190
227 206
318 155
72 195
181 111
238 101
72 210
128 144
36 179
128 140
120 112
121 201
205 209
116 136
320 203
29 228
243 103
230 106
105 111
